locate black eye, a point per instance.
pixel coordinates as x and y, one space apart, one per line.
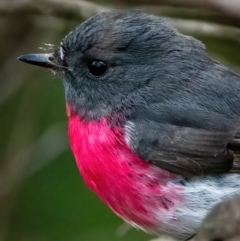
97 67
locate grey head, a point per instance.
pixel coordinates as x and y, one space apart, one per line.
112 58
123 61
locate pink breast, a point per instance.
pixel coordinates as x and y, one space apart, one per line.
131 187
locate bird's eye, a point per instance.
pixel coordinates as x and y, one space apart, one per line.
97 67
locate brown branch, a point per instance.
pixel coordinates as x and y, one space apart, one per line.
201 14
222 223
186 3
82 10
231 7
68 9
206 28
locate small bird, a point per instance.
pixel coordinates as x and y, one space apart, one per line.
154 122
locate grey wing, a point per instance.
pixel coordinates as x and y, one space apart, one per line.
182 150
186 122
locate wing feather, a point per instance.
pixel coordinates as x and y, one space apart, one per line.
184 150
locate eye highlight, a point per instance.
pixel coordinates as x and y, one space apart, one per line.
97 67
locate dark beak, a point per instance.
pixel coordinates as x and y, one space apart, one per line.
43 60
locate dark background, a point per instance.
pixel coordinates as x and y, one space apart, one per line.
42 196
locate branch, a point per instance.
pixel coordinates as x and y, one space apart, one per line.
68 9
222 223
82 10
206 28
198 13
186 3
231 7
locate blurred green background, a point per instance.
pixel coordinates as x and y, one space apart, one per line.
42 196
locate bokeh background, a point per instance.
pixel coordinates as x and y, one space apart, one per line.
42 196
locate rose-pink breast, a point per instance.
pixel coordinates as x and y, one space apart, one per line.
131 187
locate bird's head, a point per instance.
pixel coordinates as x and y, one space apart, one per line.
116 61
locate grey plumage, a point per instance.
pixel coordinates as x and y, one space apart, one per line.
184 105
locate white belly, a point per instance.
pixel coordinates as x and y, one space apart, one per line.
201 194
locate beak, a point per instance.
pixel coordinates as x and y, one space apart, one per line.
43 60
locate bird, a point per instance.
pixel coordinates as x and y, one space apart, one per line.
153 120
